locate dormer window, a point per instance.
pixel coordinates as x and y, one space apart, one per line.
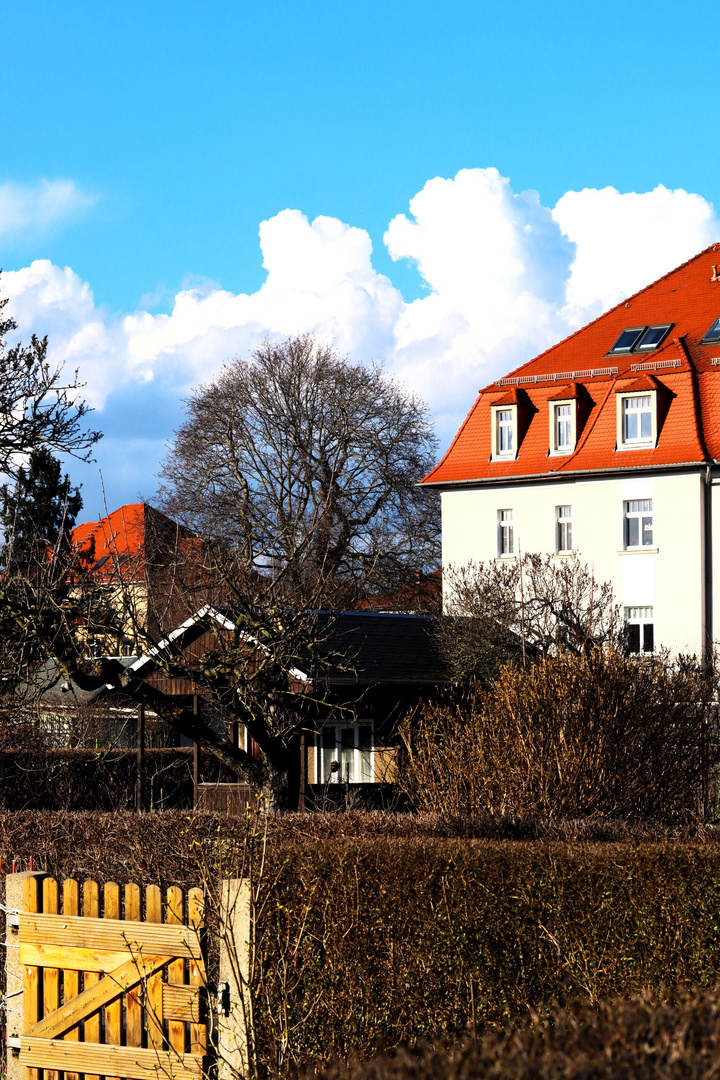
562 427
504 420
637 420
504 432
641 338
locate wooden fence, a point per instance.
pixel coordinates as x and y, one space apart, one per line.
111 983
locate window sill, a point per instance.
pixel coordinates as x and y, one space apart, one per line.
563 555
652 445
504 558
503 457
561 453
639 551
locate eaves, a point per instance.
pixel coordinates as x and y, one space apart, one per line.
574 474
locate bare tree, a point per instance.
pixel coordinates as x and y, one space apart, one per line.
294 484
307 464
39 405
524 608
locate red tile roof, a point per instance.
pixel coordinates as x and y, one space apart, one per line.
120 533
688 371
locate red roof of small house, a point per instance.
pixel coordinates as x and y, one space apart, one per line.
131 536
688 371
121 533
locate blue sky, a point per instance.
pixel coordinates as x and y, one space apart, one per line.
144 144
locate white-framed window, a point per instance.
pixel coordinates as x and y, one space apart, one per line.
636 420
505 433
506 532
640 629
563 427
638 523
346 753
563 529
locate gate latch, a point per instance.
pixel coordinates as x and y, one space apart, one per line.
223 1005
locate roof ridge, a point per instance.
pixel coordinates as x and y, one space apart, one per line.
620 303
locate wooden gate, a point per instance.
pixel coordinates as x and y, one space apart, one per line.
114 996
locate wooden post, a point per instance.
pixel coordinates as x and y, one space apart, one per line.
303 772
15 893
196 760
140 756
234 1013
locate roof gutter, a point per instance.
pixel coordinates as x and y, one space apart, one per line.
487 481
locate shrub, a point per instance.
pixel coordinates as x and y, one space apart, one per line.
572 736
643 1038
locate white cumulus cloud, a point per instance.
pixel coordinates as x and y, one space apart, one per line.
504 277
33 208
626 240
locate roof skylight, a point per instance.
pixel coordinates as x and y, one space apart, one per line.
713 334
653 336
628 339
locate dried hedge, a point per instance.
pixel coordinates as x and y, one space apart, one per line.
41 779
375 931
642 1038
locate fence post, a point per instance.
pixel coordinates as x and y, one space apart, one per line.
140 756
14 902
234 999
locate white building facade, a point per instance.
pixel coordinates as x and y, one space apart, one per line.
607 445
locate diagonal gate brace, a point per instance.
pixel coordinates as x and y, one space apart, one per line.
115 983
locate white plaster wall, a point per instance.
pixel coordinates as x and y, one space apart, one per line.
669 578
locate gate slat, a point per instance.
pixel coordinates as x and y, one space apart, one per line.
130 1061
196 919
109 935
113 1013
91 910
133 1003
31 997
71 979
153 1008
51 976
176 970
121 997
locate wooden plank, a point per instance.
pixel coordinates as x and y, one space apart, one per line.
51 976
153 1005
113 1012
111 935
31 997
91 910
71 977
176 970
100 994
182 1003
133 1001
81 959
128 1061
196 919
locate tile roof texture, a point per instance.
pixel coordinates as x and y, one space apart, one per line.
684 370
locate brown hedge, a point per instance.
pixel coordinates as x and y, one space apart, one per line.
641 1038
100 779
376 931
377 942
